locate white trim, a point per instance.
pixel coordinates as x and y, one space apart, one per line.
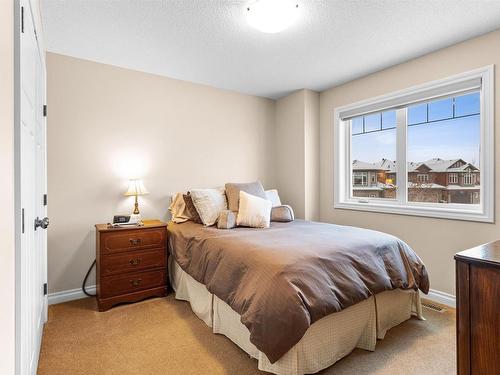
70 295
342 177
440 297
74 294
453 85
401 156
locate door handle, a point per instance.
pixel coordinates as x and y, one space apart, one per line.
42 223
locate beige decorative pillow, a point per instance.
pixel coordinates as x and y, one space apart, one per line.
282 213
177 209
227 220
254 212
233 192
209 203
272 195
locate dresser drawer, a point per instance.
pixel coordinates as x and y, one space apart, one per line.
132 261
139 239
121 284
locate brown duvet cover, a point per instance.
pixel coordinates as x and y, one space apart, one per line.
283 279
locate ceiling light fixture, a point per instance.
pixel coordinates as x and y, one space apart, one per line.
272 16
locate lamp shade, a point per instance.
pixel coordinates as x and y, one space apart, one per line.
135 187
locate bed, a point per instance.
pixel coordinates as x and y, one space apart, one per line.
297 296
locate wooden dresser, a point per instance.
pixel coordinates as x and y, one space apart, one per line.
478 310
131 263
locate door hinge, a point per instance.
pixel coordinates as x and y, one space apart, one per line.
22 220
45 199
45 289
22 19
45 110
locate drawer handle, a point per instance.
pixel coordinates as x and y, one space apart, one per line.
135 261
136 282
135 241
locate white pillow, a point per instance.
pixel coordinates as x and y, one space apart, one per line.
209 203
254 211
272 195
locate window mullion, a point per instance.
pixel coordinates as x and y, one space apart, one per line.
349 183
401 157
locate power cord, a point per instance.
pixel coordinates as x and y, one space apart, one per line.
85 280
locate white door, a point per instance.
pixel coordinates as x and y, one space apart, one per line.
31 299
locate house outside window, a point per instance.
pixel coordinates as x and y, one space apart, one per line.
426 150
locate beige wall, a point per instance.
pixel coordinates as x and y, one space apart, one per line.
107 124
311 154
435 240
290 173
7 265
297 152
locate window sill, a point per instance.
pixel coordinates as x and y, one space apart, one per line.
417 210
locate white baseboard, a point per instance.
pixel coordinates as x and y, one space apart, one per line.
440 297
72 294
69 295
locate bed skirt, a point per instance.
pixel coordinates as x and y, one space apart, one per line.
324 343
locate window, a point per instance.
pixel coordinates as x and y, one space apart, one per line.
422 177
419 151
377 130
469 179
360 178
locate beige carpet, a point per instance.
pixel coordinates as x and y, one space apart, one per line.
163 336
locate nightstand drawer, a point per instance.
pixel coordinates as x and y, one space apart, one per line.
132 282
132 261
137 239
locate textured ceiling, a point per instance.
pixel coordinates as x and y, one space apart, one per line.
210 42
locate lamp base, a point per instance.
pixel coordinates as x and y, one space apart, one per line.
136 206
135 219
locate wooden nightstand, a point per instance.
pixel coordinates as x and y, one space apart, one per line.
478 317
131 263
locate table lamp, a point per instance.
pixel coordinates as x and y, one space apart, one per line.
136 188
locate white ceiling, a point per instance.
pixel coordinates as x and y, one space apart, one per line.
210 42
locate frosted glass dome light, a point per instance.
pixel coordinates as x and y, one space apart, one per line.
272 16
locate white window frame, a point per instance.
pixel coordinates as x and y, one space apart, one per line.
450 86
453 178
